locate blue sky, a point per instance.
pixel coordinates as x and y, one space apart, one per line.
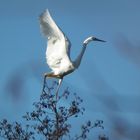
109 76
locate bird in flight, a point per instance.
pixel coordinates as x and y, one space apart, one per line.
58 49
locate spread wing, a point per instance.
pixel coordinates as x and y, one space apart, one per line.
58 47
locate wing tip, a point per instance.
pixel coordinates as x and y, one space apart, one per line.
44 13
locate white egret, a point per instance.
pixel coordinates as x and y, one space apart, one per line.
58 49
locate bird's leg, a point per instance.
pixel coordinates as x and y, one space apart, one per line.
59 84
52 75
44 83
46 75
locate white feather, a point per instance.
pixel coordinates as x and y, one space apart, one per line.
58 47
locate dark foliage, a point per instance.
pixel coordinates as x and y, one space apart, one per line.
50 118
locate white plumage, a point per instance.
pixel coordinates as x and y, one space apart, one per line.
58 48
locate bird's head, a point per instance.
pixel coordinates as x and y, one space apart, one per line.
91 38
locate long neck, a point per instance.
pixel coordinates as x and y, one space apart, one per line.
77 62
